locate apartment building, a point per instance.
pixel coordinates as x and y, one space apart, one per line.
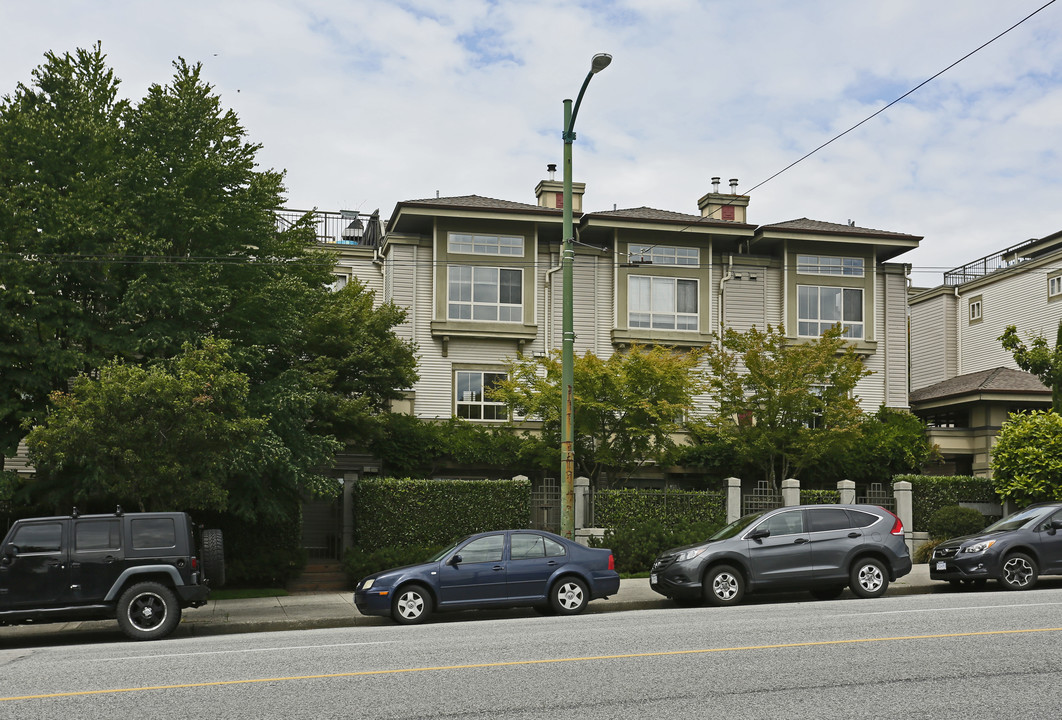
963 382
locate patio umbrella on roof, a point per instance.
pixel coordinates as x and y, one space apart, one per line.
373 230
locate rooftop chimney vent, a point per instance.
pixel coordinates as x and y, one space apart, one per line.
552 170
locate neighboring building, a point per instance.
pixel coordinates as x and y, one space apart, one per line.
479 278
963 383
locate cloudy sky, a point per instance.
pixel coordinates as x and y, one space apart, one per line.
369 102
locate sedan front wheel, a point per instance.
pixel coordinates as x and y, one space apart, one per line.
412 605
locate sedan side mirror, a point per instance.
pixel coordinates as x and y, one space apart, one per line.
8 554
455 560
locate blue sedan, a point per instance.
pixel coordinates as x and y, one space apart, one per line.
504 568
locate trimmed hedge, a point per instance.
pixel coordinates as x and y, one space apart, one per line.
955 521
820 497
636 546
930 493
626 507
358 563
390 512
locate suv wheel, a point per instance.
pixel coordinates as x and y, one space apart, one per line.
724 585
214 558
868 578
412 605
148 611
1019 572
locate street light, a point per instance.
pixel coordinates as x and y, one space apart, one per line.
597 64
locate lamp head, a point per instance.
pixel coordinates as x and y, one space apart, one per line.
600 62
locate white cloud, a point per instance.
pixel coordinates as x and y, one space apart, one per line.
370 102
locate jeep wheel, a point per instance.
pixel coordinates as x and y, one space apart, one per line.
148 611
214 558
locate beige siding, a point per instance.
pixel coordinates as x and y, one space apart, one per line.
746 298
892 338
1018 299
934 345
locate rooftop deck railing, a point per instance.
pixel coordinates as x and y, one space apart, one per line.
332 228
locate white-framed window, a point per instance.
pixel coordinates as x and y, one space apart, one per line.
475 244
1054 286
485 293
828 265
664 255
662 303
820 308
471 388
339 281
975 309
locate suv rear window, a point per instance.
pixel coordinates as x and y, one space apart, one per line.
861 519
153 533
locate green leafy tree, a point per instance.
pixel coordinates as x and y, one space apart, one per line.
128 230
1039 359
889 442
627 407
1027 458
127 436
785 404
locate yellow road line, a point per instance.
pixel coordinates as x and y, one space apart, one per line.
438 668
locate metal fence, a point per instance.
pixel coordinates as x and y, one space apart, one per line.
878 495
762 498
546 505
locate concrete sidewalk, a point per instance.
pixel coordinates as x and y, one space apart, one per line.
336 609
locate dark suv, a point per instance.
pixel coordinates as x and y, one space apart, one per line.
821 548
140 568
1014 551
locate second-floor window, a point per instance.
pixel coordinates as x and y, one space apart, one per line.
820 308
485 293
472 403
828 265
1054 286
511 245
975 309
664 255
662 303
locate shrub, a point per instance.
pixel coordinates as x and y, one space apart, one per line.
924 552
955 521
358 562
635 546
410 513
929 493
819 497
672 508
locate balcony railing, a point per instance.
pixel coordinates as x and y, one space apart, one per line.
347 227
989 264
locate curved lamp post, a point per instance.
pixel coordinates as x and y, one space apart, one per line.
597 64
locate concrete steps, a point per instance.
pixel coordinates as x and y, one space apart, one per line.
321 576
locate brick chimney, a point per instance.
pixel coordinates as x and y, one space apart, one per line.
724 206
550 193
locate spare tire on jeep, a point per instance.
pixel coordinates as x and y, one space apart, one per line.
213 558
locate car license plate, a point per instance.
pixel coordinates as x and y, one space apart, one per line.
652 578
941 565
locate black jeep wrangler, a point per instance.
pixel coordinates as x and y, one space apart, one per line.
141 568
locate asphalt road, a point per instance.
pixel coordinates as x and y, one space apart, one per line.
950 655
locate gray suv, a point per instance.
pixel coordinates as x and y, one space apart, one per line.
138 568
821 548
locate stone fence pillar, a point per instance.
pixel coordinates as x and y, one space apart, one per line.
790 492
905 510
733 499
846 489
582 502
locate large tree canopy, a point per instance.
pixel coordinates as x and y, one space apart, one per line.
785 404
627 408
1027 458
130 230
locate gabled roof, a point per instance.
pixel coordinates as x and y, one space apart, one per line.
648 213
997 381
822 227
